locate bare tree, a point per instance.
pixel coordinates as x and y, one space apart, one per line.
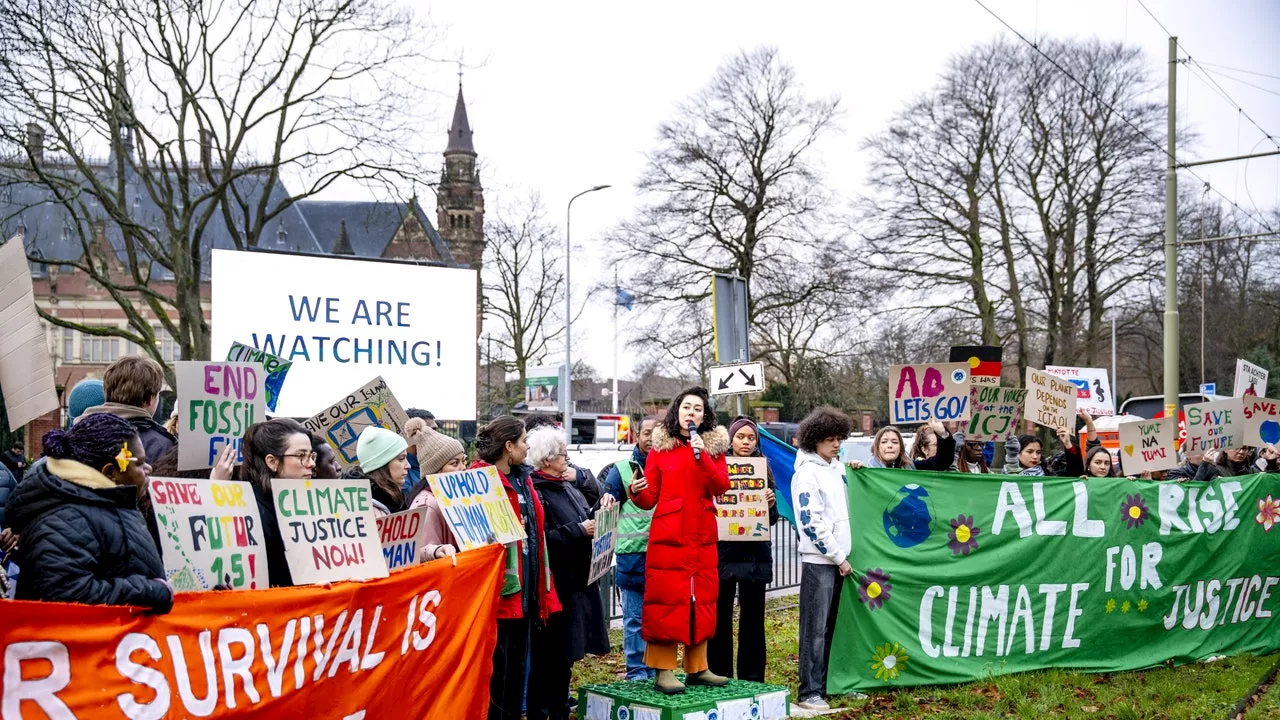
524 285
202 107
732 189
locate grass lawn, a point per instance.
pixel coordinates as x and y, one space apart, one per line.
1206 690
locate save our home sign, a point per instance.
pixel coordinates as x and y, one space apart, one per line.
957 578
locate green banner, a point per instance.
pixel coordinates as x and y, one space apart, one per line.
959 577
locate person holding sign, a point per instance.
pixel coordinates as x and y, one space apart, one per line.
746 568
278 448
1227 463
1098 463
76 512
528 595
888 450
384 461
684 473
1024 454
581 627
437 453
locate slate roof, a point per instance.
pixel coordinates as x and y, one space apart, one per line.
460 129
308 226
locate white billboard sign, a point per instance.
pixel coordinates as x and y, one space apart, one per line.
343 321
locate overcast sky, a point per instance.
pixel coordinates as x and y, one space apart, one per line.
566 95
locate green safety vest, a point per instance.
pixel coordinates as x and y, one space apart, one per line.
633 522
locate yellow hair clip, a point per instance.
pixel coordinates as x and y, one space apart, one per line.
124 458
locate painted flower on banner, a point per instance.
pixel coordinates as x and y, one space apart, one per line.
889 661
874 587
963 536
1111 605
1134 511
1268 513
1143 605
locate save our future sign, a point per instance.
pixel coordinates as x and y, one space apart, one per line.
962 577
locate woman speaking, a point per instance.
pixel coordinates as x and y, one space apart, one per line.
685 471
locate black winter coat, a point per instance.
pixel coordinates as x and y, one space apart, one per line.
7 484
750 561
155 438
82 544
582 627
278 573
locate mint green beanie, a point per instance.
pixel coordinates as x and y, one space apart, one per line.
377 447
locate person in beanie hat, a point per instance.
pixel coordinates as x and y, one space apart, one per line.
86 394
383 461
437 453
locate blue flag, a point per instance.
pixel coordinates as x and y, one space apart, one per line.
625 299
782 462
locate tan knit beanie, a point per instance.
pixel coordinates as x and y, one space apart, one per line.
434 449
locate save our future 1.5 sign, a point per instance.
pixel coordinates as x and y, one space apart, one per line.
210 533
343 321
920 393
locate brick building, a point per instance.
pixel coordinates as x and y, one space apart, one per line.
392 230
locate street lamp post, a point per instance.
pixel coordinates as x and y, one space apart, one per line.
566 392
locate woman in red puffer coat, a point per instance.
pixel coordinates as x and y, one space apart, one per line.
682 475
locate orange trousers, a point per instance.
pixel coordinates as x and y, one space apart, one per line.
662 656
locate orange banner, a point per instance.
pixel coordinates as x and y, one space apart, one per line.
418 644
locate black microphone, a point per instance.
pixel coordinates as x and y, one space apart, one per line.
693 435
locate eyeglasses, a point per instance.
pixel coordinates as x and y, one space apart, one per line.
302 457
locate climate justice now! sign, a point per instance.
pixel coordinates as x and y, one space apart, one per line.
959 577
417 645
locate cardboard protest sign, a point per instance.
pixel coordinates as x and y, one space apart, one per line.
217 402
959 577
984 362
1250 379
26 367
402 535
1261 421
604 542
996 412
742 513
475 505
341 423
1217 425
417 645
920 393
1148 445
210 533
1051 401
276 368
1093 388
329 530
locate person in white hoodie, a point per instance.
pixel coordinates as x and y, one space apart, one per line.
822 514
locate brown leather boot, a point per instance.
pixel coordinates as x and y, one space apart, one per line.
667 684
707 678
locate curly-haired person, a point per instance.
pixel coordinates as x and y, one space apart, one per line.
83 539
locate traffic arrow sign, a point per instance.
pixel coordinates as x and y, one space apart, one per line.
736 379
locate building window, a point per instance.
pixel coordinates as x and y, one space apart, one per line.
68 345
468 219
170 351
99 349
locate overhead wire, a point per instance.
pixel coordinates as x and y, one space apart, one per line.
1119 114
1241 70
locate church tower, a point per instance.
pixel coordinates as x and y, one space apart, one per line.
459 197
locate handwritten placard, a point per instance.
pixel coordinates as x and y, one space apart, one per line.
217 402
1051 400
1217 425
1093 388
341 423
275 368
1261 421
475 505
920 393
210 533
1148 445
1250 379
329 530
402 535
604 542
996 412
742 513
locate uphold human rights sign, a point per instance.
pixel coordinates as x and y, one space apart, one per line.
416 645
958 578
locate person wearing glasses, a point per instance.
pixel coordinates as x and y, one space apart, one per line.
82 538
971 459
277 448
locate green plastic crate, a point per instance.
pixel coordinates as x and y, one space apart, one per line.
637 700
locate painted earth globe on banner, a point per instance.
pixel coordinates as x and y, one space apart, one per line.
908 518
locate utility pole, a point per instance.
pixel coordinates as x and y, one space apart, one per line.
616 291
1171 245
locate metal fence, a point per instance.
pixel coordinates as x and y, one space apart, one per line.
786 567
